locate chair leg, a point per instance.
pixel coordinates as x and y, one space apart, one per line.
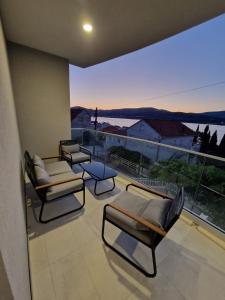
143 271
62 215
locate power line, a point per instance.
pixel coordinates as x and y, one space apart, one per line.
187 91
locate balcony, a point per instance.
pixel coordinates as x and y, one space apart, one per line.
69 260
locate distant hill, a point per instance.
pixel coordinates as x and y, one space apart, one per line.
217 117
216 114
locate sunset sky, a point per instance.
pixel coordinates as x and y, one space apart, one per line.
145 77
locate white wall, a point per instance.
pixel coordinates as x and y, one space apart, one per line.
41 91
14 278
143 131
179 141
114 141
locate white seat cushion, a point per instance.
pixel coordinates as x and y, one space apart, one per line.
64 188
57 167
78 157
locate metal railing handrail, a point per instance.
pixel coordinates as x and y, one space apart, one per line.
212 190
192 152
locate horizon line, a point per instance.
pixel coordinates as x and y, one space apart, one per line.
147 107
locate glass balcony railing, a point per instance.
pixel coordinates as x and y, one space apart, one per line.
164 168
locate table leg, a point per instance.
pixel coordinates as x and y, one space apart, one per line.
83 174
98 194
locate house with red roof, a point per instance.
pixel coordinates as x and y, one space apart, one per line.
163 131
115 130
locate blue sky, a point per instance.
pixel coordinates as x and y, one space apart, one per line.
187 60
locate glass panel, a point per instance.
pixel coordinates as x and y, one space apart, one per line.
210 199
100 149
164 168
77 135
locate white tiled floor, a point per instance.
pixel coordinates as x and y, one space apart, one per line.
70 262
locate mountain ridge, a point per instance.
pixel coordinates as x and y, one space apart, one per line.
212 117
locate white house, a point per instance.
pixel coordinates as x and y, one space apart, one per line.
80 118
167 132
112 140
162 131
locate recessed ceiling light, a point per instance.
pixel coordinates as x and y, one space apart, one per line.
87 27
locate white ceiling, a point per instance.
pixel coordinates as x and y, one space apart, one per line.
120 26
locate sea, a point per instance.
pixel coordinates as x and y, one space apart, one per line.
129 122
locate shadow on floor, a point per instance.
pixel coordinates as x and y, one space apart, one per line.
181 271
59 206
102 186
52 209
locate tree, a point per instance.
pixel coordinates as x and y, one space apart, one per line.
188 175
205 137
210 193
196 136
213 144
221 150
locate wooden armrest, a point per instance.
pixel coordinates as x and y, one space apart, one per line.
148 189
139 220
51 157
44 186
64 151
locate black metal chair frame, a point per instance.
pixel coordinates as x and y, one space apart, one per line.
158 237
42 190
63 154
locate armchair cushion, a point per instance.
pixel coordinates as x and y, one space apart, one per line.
71 148
131 203
78 157
41 175
57 167
64 188
136 205
38 161
155 212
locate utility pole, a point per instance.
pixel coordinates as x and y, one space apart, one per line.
95 127
96 118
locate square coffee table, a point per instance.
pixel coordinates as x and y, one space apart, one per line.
99 172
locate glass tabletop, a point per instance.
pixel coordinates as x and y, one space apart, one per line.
98 170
